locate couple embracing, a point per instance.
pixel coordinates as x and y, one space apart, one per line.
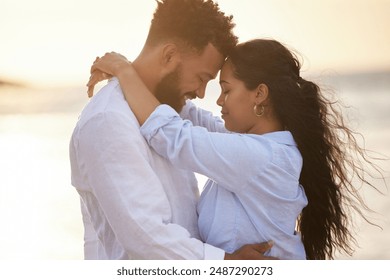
279 173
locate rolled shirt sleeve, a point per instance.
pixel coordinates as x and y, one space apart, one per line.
223 157
250 174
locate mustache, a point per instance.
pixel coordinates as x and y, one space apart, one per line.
191 94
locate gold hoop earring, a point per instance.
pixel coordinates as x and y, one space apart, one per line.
257 113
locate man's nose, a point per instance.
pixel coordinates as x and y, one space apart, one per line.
200 93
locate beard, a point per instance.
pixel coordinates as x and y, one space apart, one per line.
168 92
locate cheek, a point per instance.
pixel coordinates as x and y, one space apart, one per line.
189 81
241 115
189 85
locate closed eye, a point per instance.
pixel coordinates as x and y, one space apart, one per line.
204 79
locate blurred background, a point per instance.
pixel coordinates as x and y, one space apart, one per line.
46 50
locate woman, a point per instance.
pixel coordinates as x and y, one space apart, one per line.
285 174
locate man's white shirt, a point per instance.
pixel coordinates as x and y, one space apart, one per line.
135 204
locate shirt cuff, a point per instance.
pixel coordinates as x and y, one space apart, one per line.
213 253
185 112
162 115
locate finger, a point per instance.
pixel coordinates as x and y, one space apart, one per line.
269 258
96 77
105 76
259 256
264 246
90 91
94 62
93 80
94 67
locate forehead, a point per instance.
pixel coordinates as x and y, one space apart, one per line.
227 71
208 62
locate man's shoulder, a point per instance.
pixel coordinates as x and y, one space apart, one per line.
108 102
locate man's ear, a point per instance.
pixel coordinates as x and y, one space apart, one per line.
261 93
170 57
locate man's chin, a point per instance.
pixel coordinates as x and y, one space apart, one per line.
178 107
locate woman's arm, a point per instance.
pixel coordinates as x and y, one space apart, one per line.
228 158
138 96
233 160
203 118
140 99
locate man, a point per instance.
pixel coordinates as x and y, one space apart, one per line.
135 205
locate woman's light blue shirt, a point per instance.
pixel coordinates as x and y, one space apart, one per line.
253 192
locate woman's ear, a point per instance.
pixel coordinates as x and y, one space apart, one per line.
261 93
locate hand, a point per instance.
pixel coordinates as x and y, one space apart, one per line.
251 252
96 77
105 68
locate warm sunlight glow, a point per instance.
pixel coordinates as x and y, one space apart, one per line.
35 189
50 45
54 42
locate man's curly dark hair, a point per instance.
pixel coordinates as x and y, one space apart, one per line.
194 23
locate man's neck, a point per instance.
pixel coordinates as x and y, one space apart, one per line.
143 65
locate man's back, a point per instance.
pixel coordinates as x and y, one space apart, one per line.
131 198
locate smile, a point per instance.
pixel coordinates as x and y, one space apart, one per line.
189 96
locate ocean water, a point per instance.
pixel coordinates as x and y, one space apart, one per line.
39 209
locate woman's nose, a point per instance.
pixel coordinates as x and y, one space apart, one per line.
220 100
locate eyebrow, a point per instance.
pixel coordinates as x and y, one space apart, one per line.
223 81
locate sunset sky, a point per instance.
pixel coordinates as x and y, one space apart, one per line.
52 43
49 42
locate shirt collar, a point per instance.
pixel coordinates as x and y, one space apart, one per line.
281 137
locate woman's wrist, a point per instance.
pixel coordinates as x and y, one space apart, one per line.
124 70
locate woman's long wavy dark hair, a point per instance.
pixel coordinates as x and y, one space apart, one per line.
331 155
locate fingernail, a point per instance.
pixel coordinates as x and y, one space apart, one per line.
271 242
